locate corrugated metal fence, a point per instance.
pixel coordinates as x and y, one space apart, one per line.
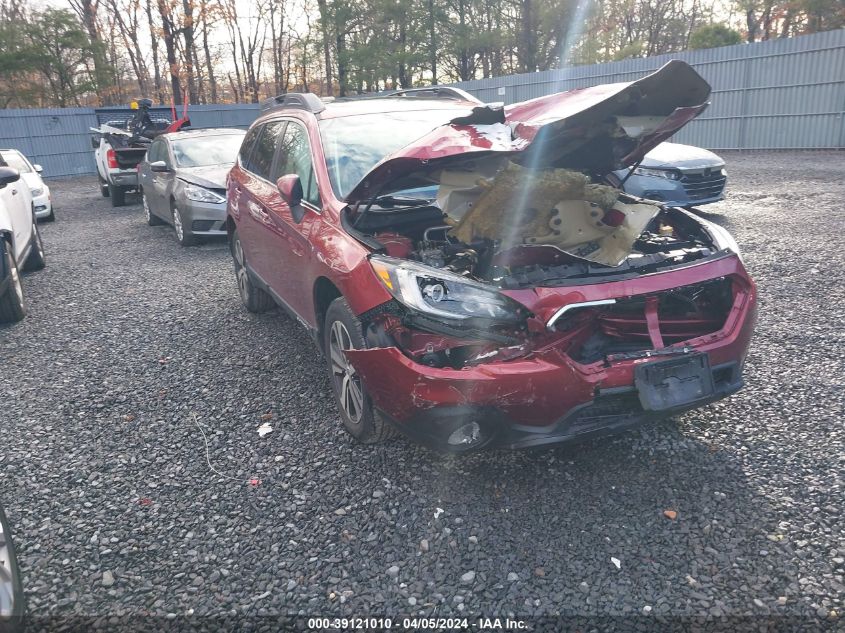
780 94
58 138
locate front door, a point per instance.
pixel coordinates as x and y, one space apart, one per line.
290 228
18 203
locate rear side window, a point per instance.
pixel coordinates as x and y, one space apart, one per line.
248 145
265 149
295 158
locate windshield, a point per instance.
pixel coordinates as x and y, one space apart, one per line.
355 144
202 151
15 160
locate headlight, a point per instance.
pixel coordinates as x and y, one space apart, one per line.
201 194
39 191
721 238
657 173
436 292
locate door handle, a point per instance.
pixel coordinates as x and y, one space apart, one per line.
258 213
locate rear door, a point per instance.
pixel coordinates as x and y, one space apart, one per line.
163 180
289 228
255 193
18 202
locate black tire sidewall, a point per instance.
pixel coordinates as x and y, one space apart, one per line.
11 309
256 300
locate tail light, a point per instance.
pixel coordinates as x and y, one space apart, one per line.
111 159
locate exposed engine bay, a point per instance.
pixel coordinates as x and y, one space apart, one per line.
512 228
522 228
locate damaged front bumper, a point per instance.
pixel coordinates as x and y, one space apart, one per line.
552 396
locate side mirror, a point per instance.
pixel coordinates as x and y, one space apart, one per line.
8 175
95 142
159 166
38 169
291 189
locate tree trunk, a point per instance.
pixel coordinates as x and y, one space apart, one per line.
154 46
432 41
324 26
209 68
190 49
170 50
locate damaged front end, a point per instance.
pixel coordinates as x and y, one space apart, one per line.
529 294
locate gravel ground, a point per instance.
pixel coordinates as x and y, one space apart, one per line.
133 344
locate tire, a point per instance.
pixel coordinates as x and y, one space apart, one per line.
104 186
253 298
36 259
10 575
152 218
342 331
183 235
12 308
117 195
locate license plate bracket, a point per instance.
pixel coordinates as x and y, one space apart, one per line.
673 383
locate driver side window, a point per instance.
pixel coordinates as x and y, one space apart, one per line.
295 158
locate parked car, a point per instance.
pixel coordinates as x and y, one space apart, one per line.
471 276
12 606
678 176
20 242
31 175
183 181
119 150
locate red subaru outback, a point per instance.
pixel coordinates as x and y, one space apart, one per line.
475 276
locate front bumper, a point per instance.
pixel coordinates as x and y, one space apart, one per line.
548 396
204 218
43 205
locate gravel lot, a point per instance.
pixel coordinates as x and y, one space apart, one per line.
130 338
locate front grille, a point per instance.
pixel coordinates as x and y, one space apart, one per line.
704 185
202 225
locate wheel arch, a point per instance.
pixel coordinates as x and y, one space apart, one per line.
324 293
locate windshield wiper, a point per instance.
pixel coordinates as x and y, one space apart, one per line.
389 201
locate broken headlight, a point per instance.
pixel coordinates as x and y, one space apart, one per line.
436 292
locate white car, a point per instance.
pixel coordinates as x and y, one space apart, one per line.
31 175
20 242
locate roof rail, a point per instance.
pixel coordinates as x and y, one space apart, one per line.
435 92
298 100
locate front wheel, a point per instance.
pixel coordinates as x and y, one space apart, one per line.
183 233
12 307
342 332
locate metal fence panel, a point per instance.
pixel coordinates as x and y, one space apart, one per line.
55 138
779 94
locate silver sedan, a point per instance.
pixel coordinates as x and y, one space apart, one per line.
183 181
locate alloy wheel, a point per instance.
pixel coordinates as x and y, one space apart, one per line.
177 225
347 381
240 270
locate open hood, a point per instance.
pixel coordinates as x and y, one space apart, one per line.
598 129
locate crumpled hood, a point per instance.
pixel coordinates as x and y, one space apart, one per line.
210 177
600 129
681 157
